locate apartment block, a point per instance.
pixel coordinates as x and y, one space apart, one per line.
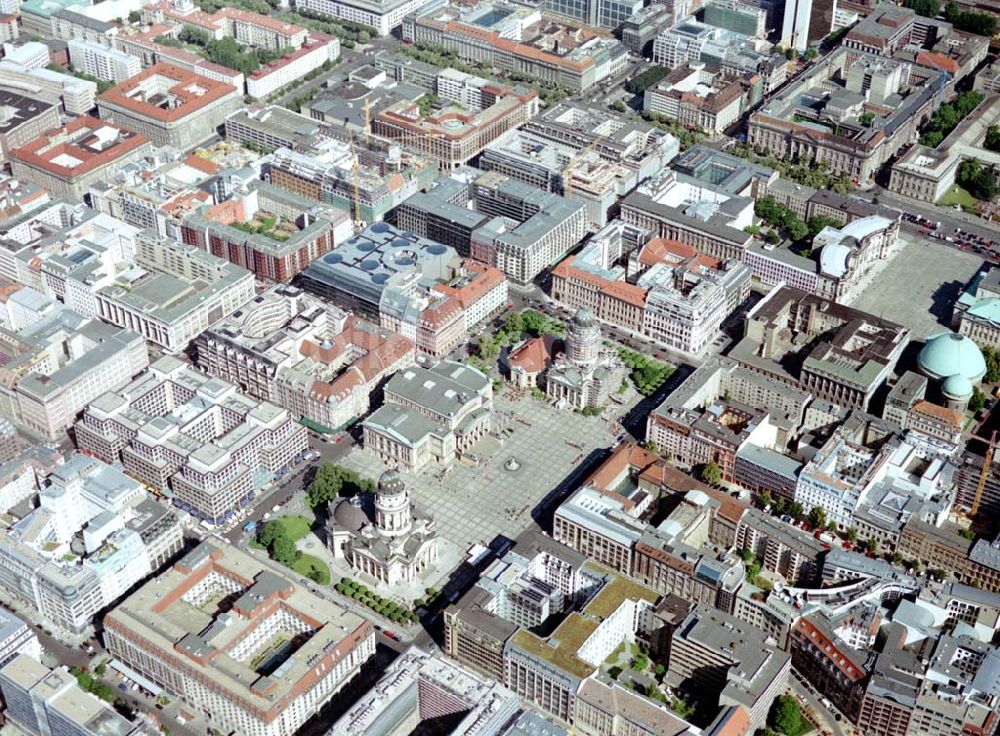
102 62
69 159
176 428
170 106
125 534
154 632
40 700
268 230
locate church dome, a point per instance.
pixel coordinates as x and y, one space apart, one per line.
390 483
957 388
585 317
349 515
950 354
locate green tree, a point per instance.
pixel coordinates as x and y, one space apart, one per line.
134 16
283 550
711 473
811 53
978 400
765 499
992 141
852 535
817 517
785 715
926 8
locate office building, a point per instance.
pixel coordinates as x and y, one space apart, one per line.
702 98
431 416
76 96
301 353
324 169
266 229
170 106
782 548
512 39
724 657
69 159
848 84
102 62
846 368
24 119
833 667
61 363
210 445
382 15
805 22
176 631
549 670
747 19
125 537
16 637
44 701
453 135
429 692
166 291
594 13
356 274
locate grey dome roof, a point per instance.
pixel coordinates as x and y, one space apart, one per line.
349 515
584 317
391 482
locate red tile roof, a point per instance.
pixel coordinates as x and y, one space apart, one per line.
77 140
192 91
534 356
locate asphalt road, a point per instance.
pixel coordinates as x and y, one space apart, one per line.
809 700
949 217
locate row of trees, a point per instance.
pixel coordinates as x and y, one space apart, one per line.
813 174
333 481
686 136
382 606
980 181
948 116
964 20
641 82
981 24
647 374
548 92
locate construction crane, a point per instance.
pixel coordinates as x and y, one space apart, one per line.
983 475
568 171
356 173
368 119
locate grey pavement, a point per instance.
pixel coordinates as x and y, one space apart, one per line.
920 286
472 504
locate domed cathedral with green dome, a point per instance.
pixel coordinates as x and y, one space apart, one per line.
955 364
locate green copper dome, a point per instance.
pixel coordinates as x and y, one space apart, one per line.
949 354
956 387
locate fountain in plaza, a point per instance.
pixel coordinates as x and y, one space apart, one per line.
512 464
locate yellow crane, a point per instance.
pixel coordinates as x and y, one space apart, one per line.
983 475
356 172
568 171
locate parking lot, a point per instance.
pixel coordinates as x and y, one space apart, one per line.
472 504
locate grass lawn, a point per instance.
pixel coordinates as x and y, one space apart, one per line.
306 563
295 526
957 195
